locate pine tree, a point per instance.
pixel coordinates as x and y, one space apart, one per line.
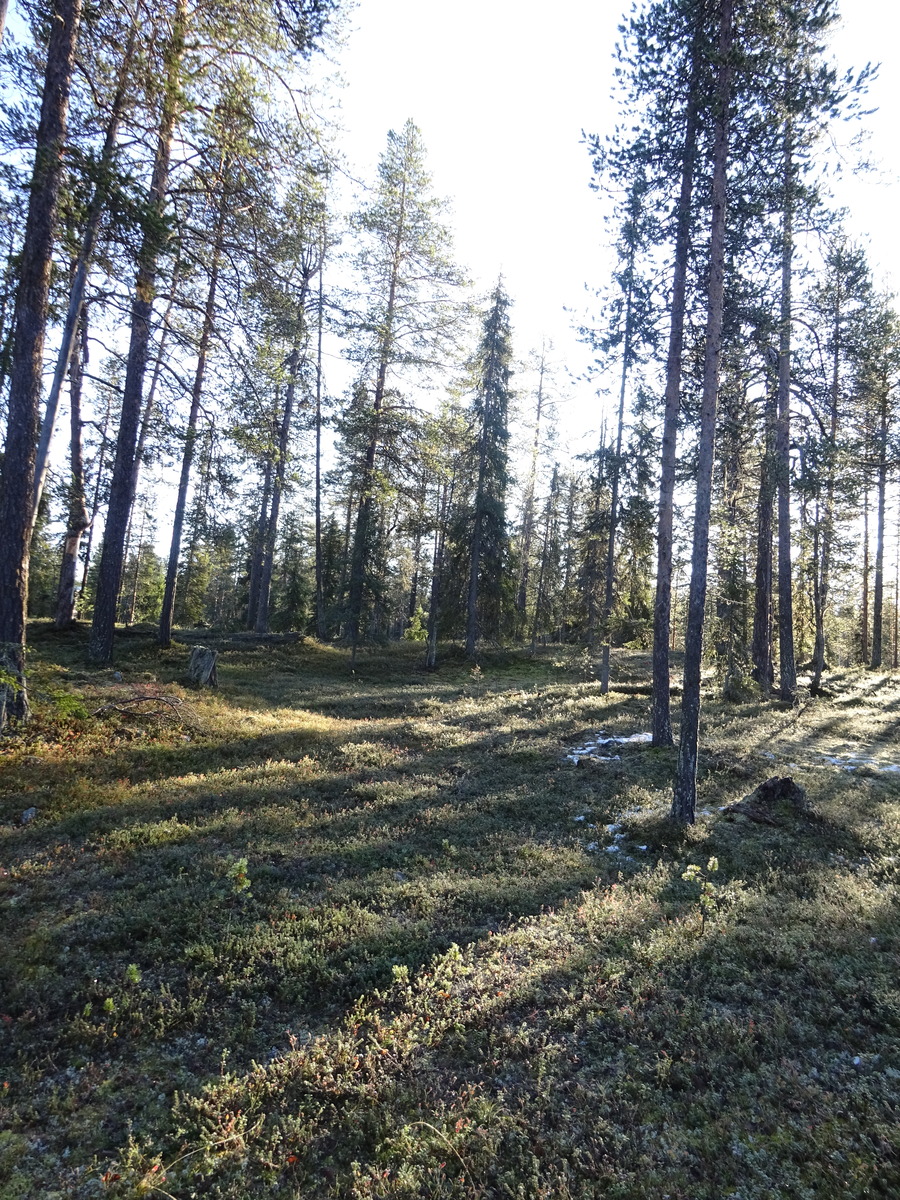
409 277
30 320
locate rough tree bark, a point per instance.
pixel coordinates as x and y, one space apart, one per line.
29 327
661 716
187 458
761 648
100 646
320 587
609 574
787 671
79 519
82 266
878 598
528 505
685 792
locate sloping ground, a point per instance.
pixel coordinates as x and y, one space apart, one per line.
377 936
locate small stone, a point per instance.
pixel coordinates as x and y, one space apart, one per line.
578 818
401 876
28 815
613 849
118 676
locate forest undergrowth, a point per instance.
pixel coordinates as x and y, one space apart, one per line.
375 935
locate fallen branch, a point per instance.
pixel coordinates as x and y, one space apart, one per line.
128 707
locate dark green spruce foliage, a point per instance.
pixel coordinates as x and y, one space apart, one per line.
490 413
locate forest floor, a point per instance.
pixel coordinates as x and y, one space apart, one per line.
329 935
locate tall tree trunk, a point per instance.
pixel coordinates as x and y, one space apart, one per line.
259 543
267 562
569 542
79 521
320 588
609 574
878 599
685 792
823 567
528 506
82 266
864 610
95 500
475 563
421 501
30 322
661 716
100 646
787 671
364 514
444 498
549 519
284 434
761 650
136 578
187 458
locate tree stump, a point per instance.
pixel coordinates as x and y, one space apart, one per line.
772 802
202 666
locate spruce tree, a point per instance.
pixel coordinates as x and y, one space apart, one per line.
490 414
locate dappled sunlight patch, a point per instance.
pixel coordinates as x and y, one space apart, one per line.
240 947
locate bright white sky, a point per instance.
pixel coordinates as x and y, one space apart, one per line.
502 89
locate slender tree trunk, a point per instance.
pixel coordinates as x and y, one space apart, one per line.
95 500
136 578
364 515
256 559
320 588
661 716
761 649
895 659
265 579
79 521
878 599
609 579
30 322
82 266
528 507
187 458
685 793
824 566
864 614
417 549
569 567
475 563
787 671
444 498
542 575
100 648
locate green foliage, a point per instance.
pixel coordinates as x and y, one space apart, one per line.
415 630
707 896
238 877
